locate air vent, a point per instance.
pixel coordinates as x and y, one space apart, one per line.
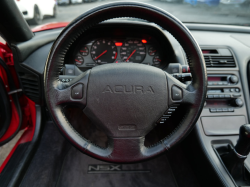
219 61
30 85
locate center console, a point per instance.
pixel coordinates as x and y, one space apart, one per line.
224 111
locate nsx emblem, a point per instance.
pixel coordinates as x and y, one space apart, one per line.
111 168
133 89
105 168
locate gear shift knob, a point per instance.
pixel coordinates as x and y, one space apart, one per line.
234 159
243 145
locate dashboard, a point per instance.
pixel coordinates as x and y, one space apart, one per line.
122 44
112 50
145 43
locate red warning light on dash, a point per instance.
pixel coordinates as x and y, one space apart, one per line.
118 43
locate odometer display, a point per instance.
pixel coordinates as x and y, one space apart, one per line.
103 51
133 51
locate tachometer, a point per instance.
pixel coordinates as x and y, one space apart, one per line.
133 51
103 51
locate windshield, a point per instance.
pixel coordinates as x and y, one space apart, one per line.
226 12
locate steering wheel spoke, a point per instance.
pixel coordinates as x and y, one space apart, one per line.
74 92
123 148
180 93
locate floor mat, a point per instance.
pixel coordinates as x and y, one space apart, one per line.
154 173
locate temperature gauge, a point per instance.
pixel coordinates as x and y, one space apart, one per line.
84 51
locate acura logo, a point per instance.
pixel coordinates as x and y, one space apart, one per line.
133 89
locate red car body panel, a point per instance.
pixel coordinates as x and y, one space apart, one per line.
50 26
27 106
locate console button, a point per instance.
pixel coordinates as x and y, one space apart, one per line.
215 83
237 89
220 83
236 95
176 93
213 110
210 96
219 110
222 96
230 110
225 109
226 90
227 96
216 96
238 102
233 79
210 83
231 90
77 91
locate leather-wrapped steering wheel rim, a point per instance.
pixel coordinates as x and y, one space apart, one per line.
122 149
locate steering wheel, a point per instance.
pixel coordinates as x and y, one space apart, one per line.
126 99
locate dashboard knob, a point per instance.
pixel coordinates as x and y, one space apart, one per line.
233 79
238 102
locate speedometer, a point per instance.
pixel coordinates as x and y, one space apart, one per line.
103 51
133 51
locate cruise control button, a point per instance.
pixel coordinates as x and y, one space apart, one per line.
171 109
77 91
176 93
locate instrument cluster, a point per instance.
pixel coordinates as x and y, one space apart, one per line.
125 50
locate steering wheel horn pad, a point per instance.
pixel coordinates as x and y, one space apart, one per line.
126 99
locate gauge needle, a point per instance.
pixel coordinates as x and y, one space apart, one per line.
152 52
101 54
131 55
158 59
78 61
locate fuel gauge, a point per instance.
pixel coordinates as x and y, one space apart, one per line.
84 51
152 51
79 60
